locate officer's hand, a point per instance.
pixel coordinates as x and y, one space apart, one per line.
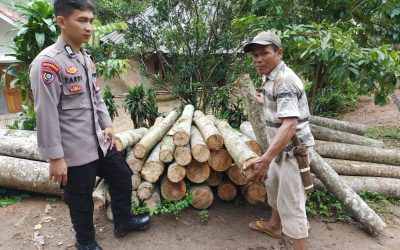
58 170
259 169
109 136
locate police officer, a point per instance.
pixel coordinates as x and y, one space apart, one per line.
74 129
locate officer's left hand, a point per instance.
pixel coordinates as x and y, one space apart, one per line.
109 136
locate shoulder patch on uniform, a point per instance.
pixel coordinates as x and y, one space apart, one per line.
71 70
48 76
75 88
50 65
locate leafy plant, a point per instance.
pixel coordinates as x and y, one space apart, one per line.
173 207
139 209
108 98
8 197
112 68
142 106
203 214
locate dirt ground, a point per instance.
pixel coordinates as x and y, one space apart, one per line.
226 227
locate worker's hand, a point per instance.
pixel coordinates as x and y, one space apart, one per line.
109 136
259 169
58 171
260 98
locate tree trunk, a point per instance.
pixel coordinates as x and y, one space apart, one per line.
197 172
176 172
315 85
134 163
357 153
145 190
200 151
238 150
129 138
254 193
247 129
182 155
167 149
215 178
153 168
155 199
154 135
27 175
327 134
19 147
353 203
172 191
220 160
202 196
254 111
349 127
182 134
236 175
136 180
359 168
207 128
99 196
395 100
227 190
27 134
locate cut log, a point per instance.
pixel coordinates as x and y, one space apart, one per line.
247 129
236 147
134 198
27 134
252 144
172 191
182 134
253 110
108 198
136 180
154 135
215 178
129 138
19 147
99 196
176 172
349 127
220 160
371 222
207 128
134 163
199 148
357 153
27 175
155 199
167 149
153 168
198 172
109 214
227 191
359 168
145 190
236 175
254 193
182 155
327 134
202 196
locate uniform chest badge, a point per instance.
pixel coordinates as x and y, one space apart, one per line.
71 70
75 88
48 76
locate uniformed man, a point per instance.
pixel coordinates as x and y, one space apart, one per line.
74 129
285 113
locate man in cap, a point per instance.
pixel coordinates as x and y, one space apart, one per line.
74 128
286 113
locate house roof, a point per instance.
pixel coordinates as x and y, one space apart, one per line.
10 16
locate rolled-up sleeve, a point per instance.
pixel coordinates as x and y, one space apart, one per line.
45 83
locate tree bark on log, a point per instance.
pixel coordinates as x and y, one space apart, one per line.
359 168
254 111
136 180
153 168
252 144
172 191
167 149
236 175
254 193
349 127
215 178
109 214
99 196
19 147
353 203
155 199
145 190
197 172
227 190
357 153
199 148
134 163
176 172
27 134
129 138
220 160
327 134
154 135
134 198
247 129
202 196
27 175
207 128
182 155
182 134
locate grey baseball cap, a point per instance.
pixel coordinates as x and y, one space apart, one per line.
264 38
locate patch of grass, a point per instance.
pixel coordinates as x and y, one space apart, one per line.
203 214
10 197
380 133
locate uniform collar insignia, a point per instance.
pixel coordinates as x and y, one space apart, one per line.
69 50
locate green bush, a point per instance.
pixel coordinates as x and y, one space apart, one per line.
108 98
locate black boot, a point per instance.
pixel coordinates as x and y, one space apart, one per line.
88 245
136 223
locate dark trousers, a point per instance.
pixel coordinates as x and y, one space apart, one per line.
78 192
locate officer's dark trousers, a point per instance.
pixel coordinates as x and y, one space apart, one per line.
79 188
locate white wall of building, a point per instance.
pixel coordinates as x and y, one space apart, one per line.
7 34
